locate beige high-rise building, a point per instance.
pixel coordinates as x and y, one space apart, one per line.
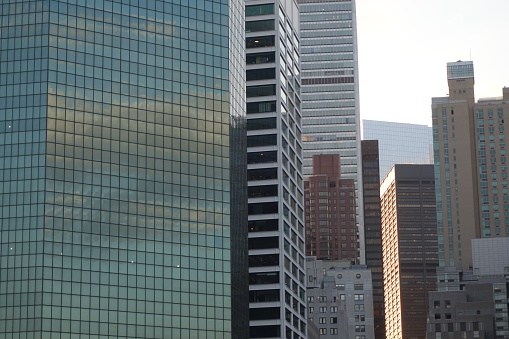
470 166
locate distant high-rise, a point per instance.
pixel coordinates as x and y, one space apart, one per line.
399 143
330 89
329 201
410 253
275 182
373 229
122 144
470 166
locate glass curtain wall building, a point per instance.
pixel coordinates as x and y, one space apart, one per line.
330 89
276 213
399 143
116 120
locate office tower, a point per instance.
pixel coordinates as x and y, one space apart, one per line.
329 202
399 143
330 89
275 195
373 229
340 298
470 166
118 164
409 242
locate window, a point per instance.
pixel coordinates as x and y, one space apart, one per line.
264 278
261 41
359 297
261 157
311 299
262 226
260 9
311 310
260 25
262 174
333 309
262 123
359 307
323 309
263 208
260 58
261 107
358 287
323 331
258 91
342 297
263 242
322 320
333 331
322 299
260 74
262 191
334 320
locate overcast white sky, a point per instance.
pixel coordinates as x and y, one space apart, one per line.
404 46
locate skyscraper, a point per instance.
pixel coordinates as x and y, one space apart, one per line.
119 158
330 89
373 229
470 166
329 200
275 196
409 242
399 143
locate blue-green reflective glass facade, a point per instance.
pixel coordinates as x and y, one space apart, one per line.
115 168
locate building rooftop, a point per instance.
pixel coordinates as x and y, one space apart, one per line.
460 69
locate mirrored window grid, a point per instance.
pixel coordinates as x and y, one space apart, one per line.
114 169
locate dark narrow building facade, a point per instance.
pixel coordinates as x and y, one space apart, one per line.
373 229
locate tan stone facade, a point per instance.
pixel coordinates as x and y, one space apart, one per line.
470 166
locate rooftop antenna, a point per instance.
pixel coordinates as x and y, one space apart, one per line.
470 54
